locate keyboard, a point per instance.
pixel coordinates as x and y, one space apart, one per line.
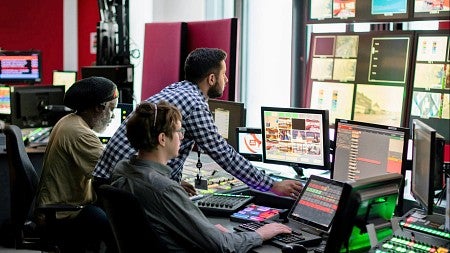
296 237
222 204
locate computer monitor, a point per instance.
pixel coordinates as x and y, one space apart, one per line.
296 137
228 115
249 143
121 112
37 106
365 149
5 100
64 77
20 66
427 168
372 201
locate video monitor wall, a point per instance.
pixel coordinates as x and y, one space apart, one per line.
360 76
431 81
349 11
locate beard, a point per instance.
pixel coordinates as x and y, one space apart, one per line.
215 91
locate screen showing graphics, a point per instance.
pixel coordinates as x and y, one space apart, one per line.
297 137
426 174
66 78
20 66
331 10
121 112
431 83
363 150
249 143
439 9
389 7
379 104
389 59
5 100
335 97
228 115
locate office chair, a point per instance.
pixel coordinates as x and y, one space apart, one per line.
23 186
131 228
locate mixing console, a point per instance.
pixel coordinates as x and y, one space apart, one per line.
219 204
417 233
218 179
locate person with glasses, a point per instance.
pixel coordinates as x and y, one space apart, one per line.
205 74
70 156
155 131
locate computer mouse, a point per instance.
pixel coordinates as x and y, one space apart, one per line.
294 248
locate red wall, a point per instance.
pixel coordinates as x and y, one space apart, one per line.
88 17
31 24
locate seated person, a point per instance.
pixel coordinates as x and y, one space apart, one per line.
155 131
70 157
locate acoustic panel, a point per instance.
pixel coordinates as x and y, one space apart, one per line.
164 54
221 34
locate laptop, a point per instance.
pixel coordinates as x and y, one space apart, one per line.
249 143
312 215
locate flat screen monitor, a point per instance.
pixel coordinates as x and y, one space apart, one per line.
37 106
364 149
249 143
379 10
121 112
20 66
431 9
228 115
427 168
297 137
5 100
372 201
64 77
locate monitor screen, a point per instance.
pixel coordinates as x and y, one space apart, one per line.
121 112
66 78
376 10
372 201
297 137
20 66
427 168
5 100
249 143
434 9
228 115
319 202
30 105
363 150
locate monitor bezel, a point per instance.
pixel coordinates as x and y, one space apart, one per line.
234 120
16 103
25 79
72 72
405 131
248 130
325 136
426 204
345 194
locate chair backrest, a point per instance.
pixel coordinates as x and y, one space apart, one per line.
130 225
23 180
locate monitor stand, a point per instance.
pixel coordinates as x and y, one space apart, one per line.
299 171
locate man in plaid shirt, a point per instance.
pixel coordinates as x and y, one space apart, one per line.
205 73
